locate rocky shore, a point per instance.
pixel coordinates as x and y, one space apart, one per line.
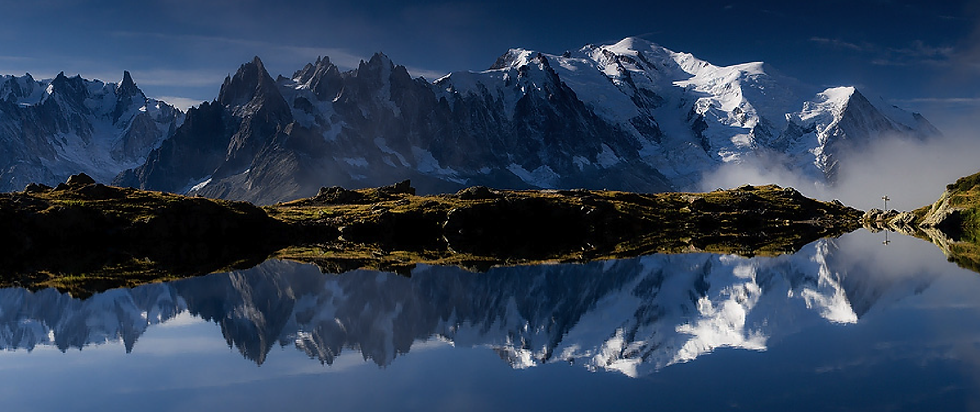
952 222
83 236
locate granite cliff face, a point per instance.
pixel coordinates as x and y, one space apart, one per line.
628 116
50 129
375 125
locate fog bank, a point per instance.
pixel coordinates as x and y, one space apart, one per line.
912 173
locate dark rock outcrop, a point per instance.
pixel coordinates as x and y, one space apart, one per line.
80 179
900 222
110 236
114 236
476 192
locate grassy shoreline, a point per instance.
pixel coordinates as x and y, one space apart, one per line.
85 237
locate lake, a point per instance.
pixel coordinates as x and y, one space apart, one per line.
844 324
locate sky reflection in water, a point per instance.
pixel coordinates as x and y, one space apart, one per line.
844 324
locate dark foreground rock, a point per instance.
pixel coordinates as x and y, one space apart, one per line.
101 236
85 236
479 227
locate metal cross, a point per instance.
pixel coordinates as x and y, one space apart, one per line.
886 199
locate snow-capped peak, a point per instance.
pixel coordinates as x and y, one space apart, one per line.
632 45
76 125
830 102
513 59
632 115
22 91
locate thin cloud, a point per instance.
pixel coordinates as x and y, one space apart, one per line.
272 53
941 100
912 62
182 103
338 56
918 50
181 78
867 175
16 58
840 44
916 53
429 75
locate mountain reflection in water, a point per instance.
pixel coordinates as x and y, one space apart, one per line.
634 316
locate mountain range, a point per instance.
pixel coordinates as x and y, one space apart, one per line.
631 116
51 129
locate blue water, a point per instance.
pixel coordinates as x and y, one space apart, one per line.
845 324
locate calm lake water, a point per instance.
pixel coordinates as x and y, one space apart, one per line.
845 324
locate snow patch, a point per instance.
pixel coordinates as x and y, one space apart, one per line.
200 186
426 163
356 161
542 177
383 145
607 157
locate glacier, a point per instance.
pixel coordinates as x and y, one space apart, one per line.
53 128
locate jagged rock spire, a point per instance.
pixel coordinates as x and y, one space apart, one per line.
128 87
249 82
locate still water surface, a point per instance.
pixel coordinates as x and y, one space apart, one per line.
845 324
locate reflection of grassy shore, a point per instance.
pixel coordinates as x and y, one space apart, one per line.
965 196
85 237
961 203
952 222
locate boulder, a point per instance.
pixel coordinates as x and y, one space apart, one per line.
100 191
794 194
403 187
878 215
476 193
80 179
940 213
903 219
338 195
36 188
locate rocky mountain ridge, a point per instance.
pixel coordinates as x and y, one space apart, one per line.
53 128
628 116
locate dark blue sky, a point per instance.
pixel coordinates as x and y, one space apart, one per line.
923 55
